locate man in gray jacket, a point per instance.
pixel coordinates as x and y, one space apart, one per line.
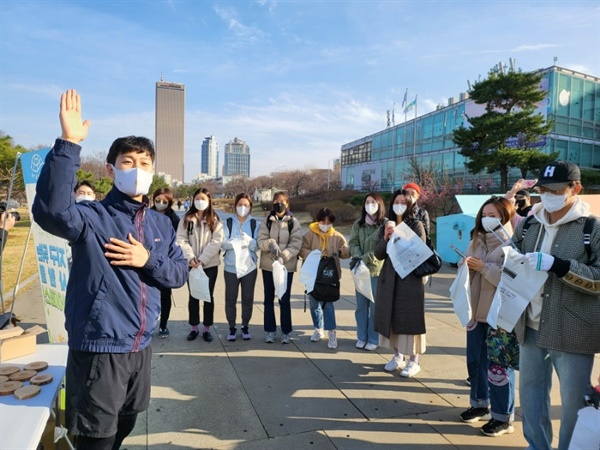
560 329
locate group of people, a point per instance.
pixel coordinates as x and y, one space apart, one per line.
559 330
127 257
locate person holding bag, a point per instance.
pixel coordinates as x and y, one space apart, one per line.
162 201
279 239
492 355
322 236
400 302
241 227
199 235
363 240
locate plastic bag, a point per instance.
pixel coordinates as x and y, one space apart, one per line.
586 434
308 271
362 280
198 282
244 263
460 293
279 279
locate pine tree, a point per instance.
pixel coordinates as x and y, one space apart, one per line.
505 135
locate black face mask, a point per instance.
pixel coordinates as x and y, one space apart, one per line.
279 207
520 203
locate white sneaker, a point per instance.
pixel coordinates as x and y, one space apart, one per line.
317 335
270 338
285 338
360 344
411 369
396 363
371 347
332 340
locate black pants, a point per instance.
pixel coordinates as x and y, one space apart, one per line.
208 309
165 307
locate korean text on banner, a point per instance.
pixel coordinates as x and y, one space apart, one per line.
519 284
52 253
406 250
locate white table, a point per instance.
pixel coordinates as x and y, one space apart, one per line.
22 422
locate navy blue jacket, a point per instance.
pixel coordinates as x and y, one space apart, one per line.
108 309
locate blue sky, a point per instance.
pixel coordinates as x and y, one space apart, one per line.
294 79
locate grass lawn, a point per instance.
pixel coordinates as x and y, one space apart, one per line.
13 255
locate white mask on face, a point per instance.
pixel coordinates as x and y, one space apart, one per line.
89 198
553 202
324 228
242 211
490 223
133 182
161 206
399 209
201 205
371 208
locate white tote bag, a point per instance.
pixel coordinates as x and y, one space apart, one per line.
460 293
199 288
279 279
362 280
308 271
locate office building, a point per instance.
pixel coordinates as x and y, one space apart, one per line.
382 160
170 126
210 157
237 158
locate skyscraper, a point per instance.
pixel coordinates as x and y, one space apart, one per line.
210 157
237 158
170 125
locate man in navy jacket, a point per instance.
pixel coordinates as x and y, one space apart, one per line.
123 253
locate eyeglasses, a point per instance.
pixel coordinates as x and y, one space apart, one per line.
162 202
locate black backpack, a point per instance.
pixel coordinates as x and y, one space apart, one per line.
290 224
229 222
327 282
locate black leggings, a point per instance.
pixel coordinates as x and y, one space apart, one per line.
124 427
208 309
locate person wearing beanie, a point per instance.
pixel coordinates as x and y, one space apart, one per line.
420 213
523 202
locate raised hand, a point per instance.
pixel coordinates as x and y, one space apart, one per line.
73 129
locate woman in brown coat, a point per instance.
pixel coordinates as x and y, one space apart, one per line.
400 302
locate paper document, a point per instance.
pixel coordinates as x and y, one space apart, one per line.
518 285
406 250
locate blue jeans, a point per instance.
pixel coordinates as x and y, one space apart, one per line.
285 309
574 372
320 311
490 383
365 316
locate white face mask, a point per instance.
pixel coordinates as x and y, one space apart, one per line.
490 223
324 228
161 206
371 208
133 182
242 211
399 209
89 198
201 205
553 202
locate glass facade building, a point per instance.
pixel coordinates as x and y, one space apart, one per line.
210 157
237 158
381 161
170 129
